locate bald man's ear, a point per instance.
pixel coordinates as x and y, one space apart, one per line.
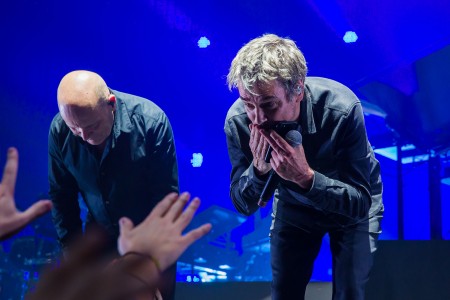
112 100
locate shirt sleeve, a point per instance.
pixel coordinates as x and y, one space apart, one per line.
63 192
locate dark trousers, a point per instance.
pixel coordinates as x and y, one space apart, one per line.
294 250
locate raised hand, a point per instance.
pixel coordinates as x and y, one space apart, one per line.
12 220
160 234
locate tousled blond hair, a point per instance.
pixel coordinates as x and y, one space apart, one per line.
265 59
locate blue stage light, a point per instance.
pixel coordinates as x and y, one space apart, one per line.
350 37
203 42
224 267
197 160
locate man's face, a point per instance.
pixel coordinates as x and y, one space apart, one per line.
271 104
93 125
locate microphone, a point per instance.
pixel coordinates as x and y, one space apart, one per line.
294 138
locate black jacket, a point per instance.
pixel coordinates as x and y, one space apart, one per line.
137 170
347 184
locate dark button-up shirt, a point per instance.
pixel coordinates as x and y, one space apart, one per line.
347 185
137 169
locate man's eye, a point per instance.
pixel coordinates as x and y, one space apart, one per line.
92 127
248 105
270 105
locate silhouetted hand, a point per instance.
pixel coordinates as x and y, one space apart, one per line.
160 234
12 220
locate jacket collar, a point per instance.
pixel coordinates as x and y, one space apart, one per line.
306 113
122 121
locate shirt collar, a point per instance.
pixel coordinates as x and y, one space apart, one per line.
122 121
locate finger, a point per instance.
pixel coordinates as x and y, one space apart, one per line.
278 144
10 171
258 141
36 210
126 225
187 215
178 206
275 161
163 206
252 138
262 144
196 234
24 218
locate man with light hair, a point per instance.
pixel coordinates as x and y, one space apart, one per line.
116 150
328 181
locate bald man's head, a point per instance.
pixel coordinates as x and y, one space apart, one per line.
86 106
83 89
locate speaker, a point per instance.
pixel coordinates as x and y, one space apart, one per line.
410 270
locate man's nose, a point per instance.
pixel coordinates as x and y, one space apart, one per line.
83 134
260 117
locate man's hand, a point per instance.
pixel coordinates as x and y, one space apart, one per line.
289 162
258 145
12 220
160 234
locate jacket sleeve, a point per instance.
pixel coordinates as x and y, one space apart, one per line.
245 187
63 192
348 195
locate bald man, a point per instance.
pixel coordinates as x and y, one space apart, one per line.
114 149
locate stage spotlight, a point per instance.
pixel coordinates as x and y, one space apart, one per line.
350 37
197 160
203 42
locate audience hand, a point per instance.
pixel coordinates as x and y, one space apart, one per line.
12 220
160 234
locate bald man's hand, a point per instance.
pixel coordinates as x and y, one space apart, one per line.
12 220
